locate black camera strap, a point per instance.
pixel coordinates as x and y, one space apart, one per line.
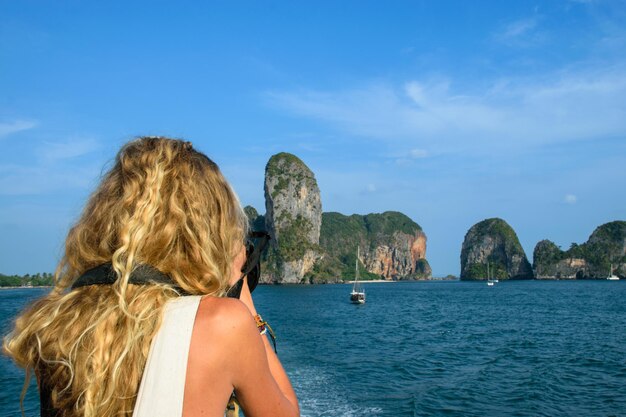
142 275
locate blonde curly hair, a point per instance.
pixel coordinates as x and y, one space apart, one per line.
162 204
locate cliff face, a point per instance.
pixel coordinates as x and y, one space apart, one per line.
493 241
398 256
293 219
591 260
392 246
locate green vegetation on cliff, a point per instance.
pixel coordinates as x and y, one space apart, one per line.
273 167
342 268
293 241
382 225
286 168
606 245
370 230
339 231
478 271
500 228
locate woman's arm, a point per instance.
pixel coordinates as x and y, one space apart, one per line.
275 367
261 384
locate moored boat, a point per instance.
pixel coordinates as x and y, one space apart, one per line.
490 281
357 296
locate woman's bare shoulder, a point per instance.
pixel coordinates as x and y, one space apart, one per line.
223 315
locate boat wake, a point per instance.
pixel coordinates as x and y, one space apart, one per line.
320 397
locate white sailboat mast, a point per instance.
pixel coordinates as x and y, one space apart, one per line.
358 251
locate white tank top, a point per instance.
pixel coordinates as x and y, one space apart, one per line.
163 383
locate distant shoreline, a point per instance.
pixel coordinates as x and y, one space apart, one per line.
399 280
26 288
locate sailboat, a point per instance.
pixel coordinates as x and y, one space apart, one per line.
612 276
357 296
490 282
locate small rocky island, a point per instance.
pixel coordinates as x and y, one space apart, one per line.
605 249
309 246
493 242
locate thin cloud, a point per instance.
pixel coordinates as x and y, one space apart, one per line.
55 170
10 128
521 33
369 190
310 147
409 157
350 110
518 28
70 148
22 180
510 113
418 153
570 199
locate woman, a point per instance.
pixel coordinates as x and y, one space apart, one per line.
158 338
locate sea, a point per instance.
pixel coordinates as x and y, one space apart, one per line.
434 348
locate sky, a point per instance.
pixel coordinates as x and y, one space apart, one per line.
448 111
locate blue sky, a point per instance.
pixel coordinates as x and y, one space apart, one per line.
448 111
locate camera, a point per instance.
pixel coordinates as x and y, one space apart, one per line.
256 243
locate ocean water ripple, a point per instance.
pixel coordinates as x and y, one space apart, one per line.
535 348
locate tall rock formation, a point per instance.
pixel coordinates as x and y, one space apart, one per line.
593 259
392 246
293 219
495 242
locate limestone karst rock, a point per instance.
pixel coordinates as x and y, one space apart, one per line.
293 218
493 241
